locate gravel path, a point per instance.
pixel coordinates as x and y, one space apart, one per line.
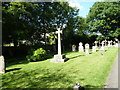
112 80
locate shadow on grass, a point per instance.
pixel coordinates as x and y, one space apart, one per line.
36 79
17 60
76 56
12 69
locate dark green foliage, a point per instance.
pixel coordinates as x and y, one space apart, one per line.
36 55
104 17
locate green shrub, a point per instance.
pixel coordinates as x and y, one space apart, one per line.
36 55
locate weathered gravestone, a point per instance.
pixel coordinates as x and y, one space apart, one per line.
59 57
73 48
99 43
81 48
102 47
109 43
2 64
105 43
96 43
114 43
94 48
87 48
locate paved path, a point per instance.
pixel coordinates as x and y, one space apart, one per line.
112 80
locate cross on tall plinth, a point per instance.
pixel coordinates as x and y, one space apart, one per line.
59 57
59 41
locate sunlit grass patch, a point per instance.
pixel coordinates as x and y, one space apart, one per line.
88 70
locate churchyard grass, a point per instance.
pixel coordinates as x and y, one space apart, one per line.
90 71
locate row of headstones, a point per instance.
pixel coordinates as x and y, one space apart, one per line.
94 48
81 48
107 43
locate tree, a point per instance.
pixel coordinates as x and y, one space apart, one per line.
104 17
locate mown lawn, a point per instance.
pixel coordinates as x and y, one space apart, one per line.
88 70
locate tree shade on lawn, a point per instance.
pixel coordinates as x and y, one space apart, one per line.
88 70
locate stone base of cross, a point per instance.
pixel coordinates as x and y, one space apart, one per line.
58 59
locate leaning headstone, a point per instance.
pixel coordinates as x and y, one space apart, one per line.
94 49
81 48
73 48
2 64
87 48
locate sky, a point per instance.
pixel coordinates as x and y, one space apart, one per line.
85 8
83 5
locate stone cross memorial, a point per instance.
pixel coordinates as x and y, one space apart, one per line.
2 64
59 57
81 48
87 48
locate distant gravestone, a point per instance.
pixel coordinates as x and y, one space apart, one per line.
109 45
96 43
87 48
2 64
81 48
73 48
105 43
114 43
94 48
99 43
102 48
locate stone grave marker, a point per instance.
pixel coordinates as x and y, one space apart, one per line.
94 48
109 45
73 48
2 64
102 47
96 43
105 43
81 48
87 48
59 57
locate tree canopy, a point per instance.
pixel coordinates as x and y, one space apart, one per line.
24 20
104 17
